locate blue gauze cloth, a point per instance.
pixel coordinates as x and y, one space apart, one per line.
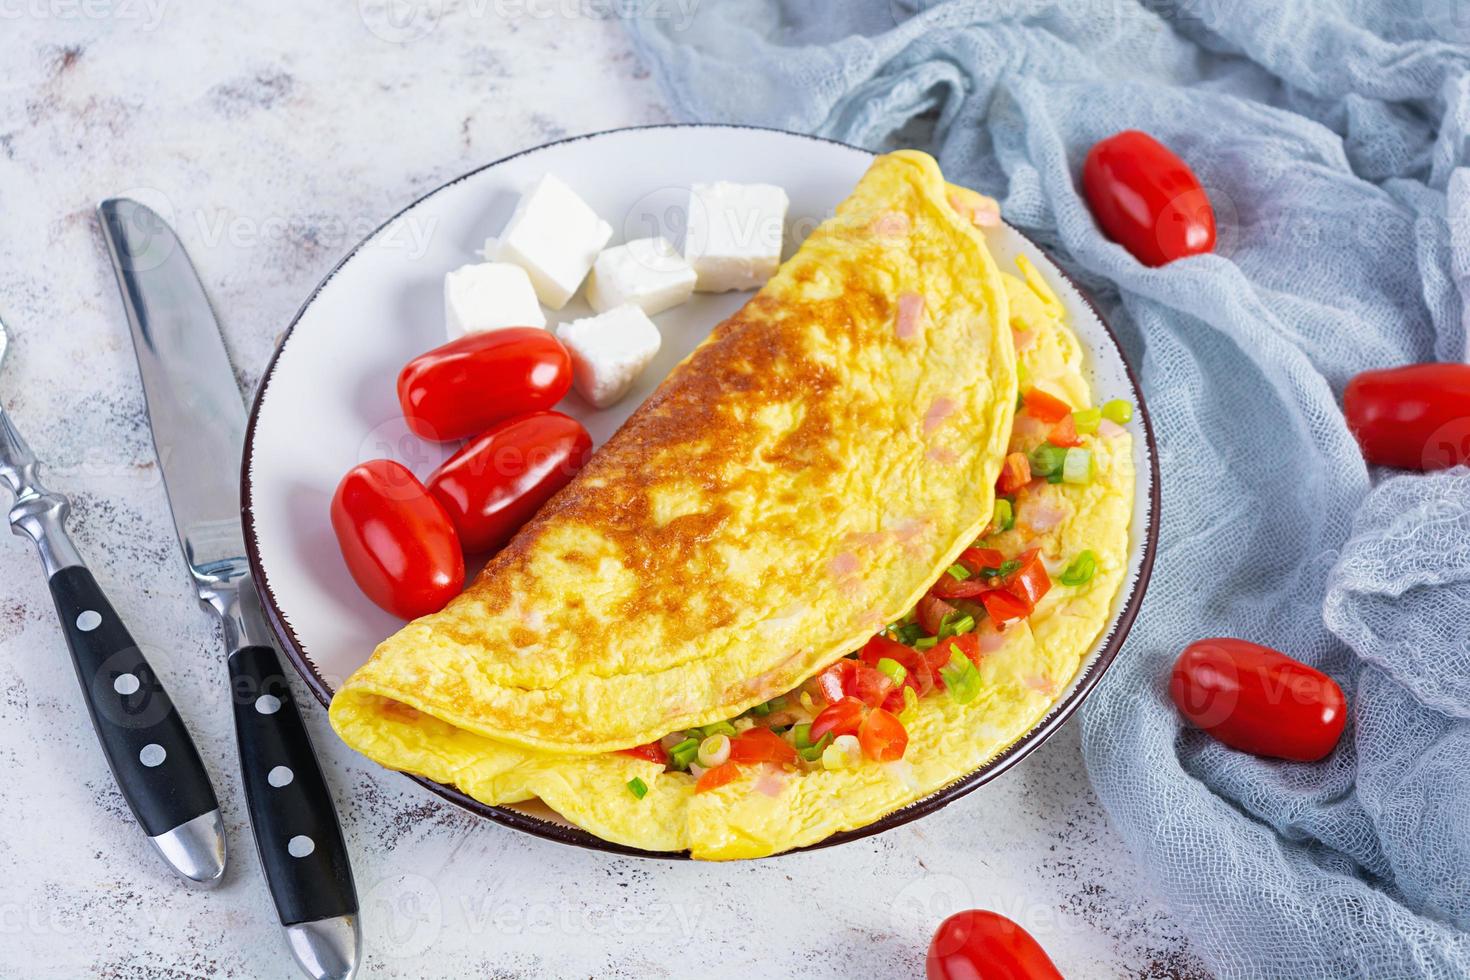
1333 138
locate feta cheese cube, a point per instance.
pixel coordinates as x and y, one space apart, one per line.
555 237
734 236
609 351
646 272
488 296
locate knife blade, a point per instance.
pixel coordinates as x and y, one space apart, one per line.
148 748
198 423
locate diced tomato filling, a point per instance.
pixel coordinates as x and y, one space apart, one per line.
1047 408
1003 608
1015 473
761 745
930 613
1064 433
882 736
949 587
975 560
717 777
840 718
653 752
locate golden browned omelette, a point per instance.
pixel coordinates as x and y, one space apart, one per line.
796 483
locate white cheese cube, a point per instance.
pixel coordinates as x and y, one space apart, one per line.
609 351
488 296
734 236
555 237
647 273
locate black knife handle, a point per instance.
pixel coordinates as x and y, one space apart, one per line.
296 831
151 754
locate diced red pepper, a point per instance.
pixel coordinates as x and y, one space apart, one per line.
1047 408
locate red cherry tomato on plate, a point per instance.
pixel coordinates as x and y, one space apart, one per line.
1147 199
398 542
1414 418
761 745
652 752
980 945
1257 700
471 383
500 478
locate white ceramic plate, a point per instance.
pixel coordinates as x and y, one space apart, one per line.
327 401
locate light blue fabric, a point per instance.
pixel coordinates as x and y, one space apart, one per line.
1333 136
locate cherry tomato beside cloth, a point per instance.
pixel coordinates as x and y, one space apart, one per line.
980 945
1147 199
1414 418
499 479
398 542
1257 700
469 384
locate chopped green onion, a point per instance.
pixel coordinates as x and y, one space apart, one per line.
961 678
962 625
1047 459
718 728
684 753
801 736
925 642
893 669
638 787
1007 567
1077 467
1004 517
1087 420
761 710
1080 572
959 571
714 751
813 752
908 633
1118 411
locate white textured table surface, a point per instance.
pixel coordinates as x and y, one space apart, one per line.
275 135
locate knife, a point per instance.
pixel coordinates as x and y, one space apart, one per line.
198 422
147 746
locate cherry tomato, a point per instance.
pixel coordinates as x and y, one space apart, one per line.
1147 199
471 383
653 752
967 644
716 777
1015 473
1045 407
916 674
761 745
842 717
399 543
882 736
976 560
1414 418
834 682
1257 700
980 945
949 587
500 478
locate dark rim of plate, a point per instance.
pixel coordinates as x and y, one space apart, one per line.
566 834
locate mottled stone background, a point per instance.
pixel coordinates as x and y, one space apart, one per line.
275 134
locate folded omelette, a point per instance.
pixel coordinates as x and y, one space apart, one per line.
799 484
